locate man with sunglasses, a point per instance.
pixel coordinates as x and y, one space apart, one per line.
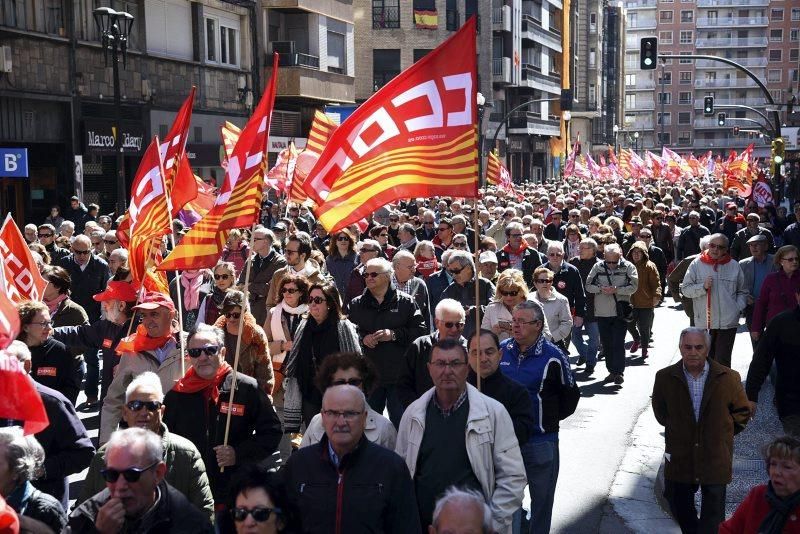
444 237
137 498
662 235
701 405
461 267
427 231
197 408
265 262
296 252
47 237
144 408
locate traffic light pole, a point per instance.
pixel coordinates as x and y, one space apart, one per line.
754 110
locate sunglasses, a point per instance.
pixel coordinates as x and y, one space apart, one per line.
394 220
543 281
221 276
317 300
455 271
208 350
233 315
131 474
342 238
509 293
109 242
81 252
44 235
349 382
453 324
259 514
137 405
373 275
460 245
290 290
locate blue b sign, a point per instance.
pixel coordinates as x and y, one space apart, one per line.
13 162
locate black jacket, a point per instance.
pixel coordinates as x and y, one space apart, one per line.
567 281
780 342
255 430
514 398
102 334
531 259
87 283
370 491
415 379
689 241
174 514
399 313
584 268
53 365
45 508
67 446
437 283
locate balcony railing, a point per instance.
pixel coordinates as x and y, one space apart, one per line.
641 85
732 3
643 23
385 17
731 42
723 83
698 103
744 62
497 15
642 104
640 4
501 70
545 82
726 143
723 22
535 32
530 120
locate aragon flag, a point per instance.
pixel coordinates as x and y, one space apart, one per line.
239 201
415 137
321 130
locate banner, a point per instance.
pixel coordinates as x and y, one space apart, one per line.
22 278
321 130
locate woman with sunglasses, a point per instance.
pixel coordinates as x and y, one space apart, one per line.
380 233
511 290
52 364
211 306
254 357
555 305
283 320
778 289
341 259
258 503
323 332
351 368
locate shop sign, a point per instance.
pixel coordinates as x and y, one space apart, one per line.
104 138
13 162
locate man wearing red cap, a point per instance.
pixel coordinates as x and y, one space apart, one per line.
153 347
732 222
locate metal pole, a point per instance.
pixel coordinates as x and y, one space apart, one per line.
121 200
515 108
749 108
663 101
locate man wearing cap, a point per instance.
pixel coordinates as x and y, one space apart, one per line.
755 269
633 236
488 266
265 262
153 347
739 247
732 222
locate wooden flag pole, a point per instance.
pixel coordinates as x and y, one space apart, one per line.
239 336
476 228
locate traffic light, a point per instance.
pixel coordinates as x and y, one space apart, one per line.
721 119
648 53
778 151
708 106
735 130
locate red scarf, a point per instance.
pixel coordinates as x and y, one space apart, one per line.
141 342
191 383
705 258
738 219
427 266
517 252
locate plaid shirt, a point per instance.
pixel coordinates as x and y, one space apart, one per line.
447 413
696 386
405 287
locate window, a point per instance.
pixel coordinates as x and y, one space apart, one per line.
667 118
385 66
794 35
775 55
685 61
630 80
776 35
774 75
685 97
685 78
222 41
592 22
684 117
776 14
385 14
684 138
420 53
667 78
592 96
630 101
665 17
796 13
664 97
592 57
337 32
687 16
686 36
665 37
471 8
664 139
451 16
794 55
777 95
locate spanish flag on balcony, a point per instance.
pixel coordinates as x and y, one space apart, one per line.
425 15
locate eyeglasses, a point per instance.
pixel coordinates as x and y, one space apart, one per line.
290 290
717 246
131 474
208 350
342 238
394 220
368 250
793 258
454 365
374 274
455 272
233 315
514 235
459 245
645 236
317 300
44 324
453 324
44 235
349 382
221 276
80 252
509 293
259 514
288 251
109 242
695 347
521 322
555 254
348 415
544 280
137 405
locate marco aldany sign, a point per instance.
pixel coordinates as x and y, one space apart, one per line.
102 137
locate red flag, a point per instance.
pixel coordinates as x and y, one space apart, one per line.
23 280
321 130
20 401
415 137
179 183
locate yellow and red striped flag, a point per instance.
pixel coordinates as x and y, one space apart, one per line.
239 201
493 169
415 137
321 130
230 134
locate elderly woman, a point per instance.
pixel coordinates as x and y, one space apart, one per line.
778 289
258 502
341 259
555 306
196 285
324 331
224 280
284 318
51 363
772 508
254 357
511 290
21 461
352 369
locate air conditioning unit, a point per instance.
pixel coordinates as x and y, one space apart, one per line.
5 59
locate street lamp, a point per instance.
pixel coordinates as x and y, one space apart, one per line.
480 100
616 138
114 28
636 141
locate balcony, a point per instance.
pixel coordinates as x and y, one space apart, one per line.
640 4
731 22
732 42
501 19
750 62
531 123
641 85
501 70
640 123
642 23
643 104
732 3
533 77
705 144
302 81
729 83
533 31
755 102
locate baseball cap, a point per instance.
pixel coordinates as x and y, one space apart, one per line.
279 227
487 256
731 206
122 291
757 239
153 300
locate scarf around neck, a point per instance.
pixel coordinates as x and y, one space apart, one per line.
141 342
192 383
191 282
53 305
276 323
708 260
780 509
518 251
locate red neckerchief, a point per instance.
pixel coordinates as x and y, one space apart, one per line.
738 219
191 383
141 342
705 258
517 252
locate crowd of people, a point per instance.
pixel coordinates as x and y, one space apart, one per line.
251 398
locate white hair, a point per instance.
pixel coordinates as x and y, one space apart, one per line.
24 454
350 389
463 497
127 438
402 254
449 306
612 248
381 263
147 381
19 350
557 245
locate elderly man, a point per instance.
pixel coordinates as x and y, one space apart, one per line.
264 263
460 227
482 452
297 252
406 237
405 265
428 229
755 268
739 246
689 239
30 233
346 483
567 281
198 407
715 283
461 267
414 379
186 472
47 236
587 350
153 347
137 498
117 258
388 321
461 511
516 254
544 370
702 405
67 229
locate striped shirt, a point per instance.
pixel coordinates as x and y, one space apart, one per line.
696 386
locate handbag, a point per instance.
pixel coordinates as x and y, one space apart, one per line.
624 308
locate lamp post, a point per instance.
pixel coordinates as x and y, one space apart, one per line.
636 140
616 139
114 28
480 100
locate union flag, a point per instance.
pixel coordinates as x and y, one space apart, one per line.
22 278
321 130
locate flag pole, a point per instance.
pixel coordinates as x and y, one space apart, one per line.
239 335
476 228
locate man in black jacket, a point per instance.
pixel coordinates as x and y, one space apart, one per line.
461 267
387 321
518 255
47 238
567 281
345 483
